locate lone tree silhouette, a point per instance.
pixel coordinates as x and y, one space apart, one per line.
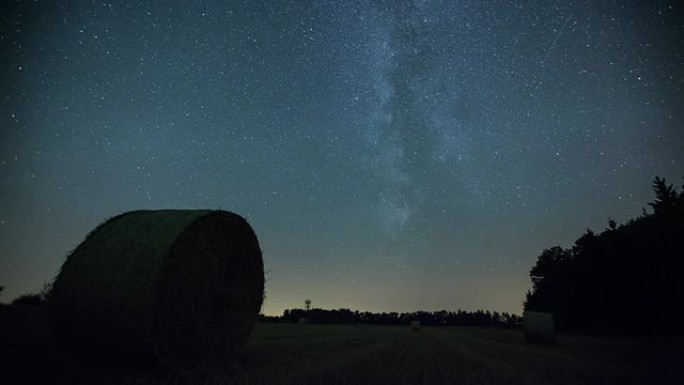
307 304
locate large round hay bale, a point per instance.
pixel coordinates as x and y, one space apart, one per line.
415 326
539 327
175 286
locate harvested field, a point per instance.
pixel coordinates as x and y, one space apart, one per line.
359 354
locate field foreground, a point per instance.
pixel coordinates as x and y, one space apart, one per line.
360 354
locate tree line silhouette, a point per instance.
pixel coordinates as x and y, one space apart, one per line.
436 318
33 299
624 279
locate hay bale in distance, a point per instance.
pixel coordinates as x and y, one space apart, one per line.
415 326
539 327
174 286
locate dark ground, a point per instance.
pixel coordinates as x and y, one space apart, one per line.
358 354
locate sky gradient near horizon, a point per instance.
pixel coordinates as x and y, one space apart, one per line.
390 155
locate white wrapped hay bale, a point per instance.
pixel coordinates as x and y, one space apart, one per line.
539 327
415 326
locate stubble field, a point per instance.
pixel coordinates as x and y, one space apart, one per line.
359 354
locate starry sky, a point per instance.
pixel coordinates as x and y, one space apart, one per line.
390 155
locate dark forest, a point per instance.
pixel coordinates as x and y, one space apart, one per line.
624 279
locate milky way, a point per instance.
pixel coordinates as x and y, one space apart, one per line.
389 155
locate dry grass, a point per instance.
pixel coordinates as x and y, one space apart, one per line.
336 354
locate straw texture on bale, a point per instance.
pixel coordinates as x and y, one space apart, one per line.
539 327
170 285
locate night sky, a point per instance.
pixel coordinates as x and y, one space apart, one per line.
396 155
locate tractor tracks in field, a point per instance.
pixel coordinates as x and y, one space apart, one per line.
418 358
432 356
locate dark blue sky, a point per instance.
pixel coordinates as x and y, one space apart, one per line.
390 155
